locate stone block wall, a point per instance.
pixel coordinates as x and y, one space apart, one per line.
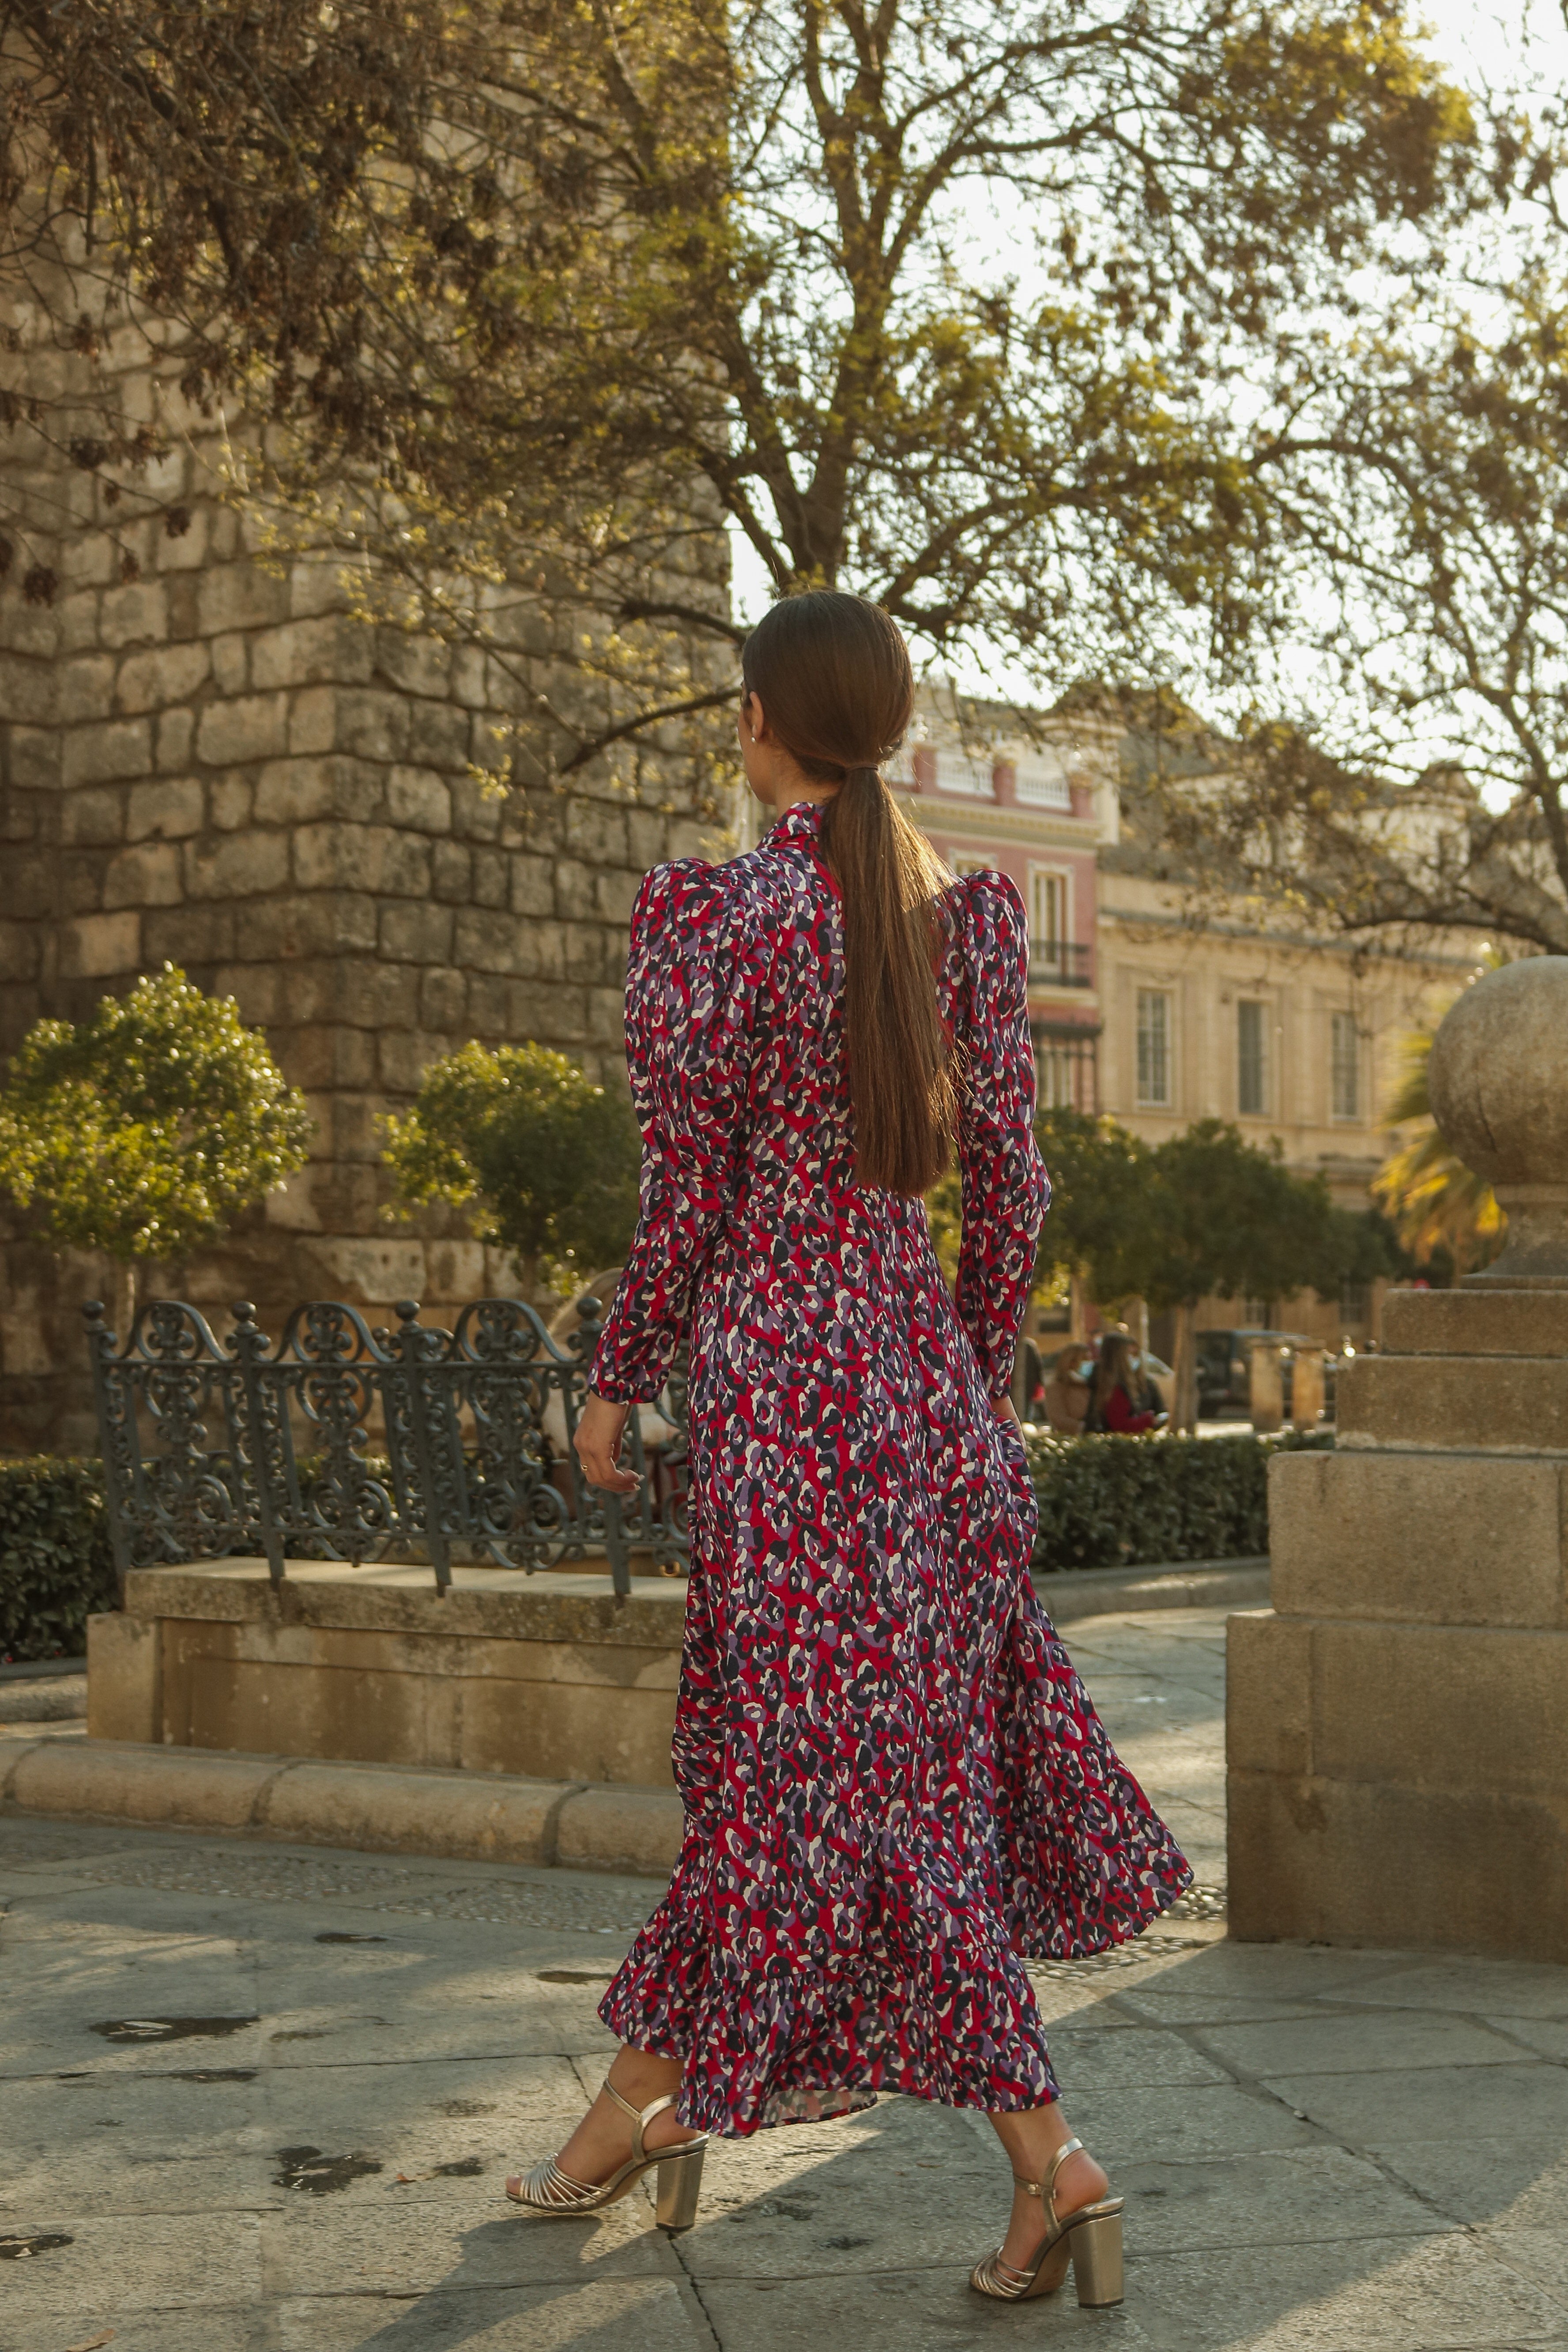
1397 1723
216 764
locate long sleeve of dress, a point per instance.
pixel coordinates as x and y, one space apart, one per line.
1005 1187
688 1058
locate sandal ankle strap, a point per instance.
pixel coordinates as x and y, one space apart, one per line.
1046 2190
641 2118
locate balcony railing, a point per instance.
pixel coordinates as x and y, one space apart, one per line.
344 1443
1064 964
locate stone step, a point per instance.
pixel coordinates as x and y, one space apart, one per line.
371 1808
1515 1404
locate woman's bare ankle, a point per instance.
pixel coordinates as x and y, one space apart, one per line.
641 2076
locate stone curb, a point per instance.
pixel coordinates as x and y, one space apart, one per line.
367 1808
61 1698
1075 1592
32 1670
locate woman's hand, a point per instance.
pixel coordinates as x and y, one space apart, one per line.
1001 1407
600 1425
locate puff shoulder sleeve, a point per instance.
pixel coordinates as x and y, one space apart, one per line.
688 1051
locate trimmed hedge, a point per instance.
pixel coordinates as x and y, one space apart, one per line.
56 1566
1105 1501
1121 1502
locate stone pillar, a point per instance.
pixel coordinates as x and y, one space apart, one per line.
1307 1388
1265 1387
1398 1723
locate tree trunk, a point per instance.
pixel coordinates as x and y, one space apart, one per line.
124 1301
1185 1367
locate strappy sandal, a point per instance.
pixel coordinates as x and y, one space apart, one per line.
547 2190
1090 2240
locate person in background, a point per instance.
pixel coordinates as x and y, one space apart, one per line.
1117 1405
1070 1389
1029 1378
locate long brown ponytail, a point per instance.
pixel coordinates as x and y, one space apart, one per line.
833 675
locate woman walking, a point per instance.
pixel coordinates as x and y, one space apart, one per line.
896 1788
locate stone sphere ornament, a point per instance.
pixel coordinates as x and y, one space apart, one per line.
1498 1083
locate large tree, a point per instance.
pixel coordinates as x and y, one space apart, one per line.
1404 766
944 304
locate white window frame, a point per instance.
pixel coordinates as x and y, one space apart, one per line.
1060 877
1143 1093
1261 1109
1340 1025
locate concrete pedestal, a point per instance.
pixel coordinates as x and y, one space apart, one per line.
550 1677
1398 1730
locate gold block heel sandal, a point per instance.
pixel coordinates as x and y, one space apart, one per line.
549 2190
1090 2240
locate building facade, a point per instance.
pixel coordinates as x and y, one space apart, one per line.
1145 1012
1037 809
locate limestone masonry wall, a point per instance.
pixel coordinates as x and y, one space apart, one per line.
215 764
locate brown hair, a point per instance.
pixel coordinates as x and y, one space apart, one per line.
833 675
1114 1372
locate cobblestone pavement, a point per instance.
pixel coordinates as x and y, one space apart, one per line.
264 2097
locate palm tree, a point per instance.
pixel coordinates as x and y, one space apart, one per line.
1435 1201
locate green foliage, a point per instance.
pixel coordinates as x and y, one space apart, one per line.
1113 1502
1204 1214
144 1131
56 1566
1439 1207
1102 1197
546 1161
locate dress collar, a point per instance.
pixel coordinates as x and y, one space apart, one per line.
800 822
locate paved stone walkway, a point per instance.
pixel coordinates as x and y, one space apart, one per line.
262 2097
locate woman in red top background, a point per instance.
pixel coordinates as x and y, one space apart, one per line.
1117 1392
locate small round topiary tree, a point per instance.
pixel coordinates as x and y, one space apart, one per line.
546 1161
145 1130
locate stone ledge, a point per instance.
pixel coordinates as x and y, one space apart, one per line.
508 1604
382 1596
368 1808
1068 1593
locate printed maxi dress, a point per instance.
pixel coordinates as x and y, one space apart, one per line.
896 1787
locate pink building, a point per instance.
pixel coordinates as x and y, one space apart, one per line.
1036 812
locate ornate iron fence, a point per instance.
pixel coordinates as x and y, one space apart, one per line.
345 1443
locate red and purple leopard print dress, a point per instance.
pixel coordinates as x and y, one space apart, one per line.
896 1787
